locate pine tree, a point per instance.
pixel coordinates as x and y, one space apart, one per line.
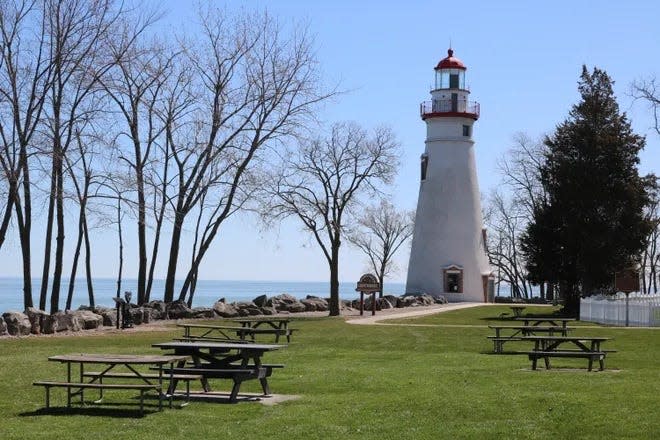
592 223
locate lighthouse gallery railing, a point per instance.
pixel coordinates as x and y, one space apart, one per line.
452 107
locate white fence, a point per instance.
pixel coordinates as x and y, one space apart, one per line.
643 310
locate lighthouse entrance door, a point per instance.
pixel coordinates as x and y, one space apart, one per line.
454 102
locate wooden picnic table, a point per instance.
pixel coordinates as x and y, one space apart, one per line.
518 331
222 360
195 332
517 309
588 347
112 362
275 323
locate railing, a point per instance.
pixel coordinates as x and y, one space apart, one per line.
449 107
643 310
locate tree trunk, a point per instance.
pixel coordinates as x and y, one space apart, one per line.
142 241
168 296
59 242
49 239
11 196
121 248
88 264
24 235
76 256
334 281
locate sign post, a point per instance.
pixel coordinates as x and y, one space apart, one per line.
626 281
368 284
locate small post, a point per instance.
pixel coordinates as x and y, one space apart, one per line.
373 303
627 304
361 303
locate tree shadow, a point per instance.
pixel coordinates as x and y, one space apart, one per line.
92 411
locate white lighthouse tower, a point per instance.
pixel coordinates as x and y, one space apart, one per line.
448 255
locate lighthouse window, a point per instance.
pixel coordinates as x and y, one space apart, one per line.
425 162
453 81
466 130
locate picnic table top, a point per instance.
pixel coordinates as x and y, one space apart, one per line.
529 327
217 345
275 319
566 338
210 326
517 306
88 358
543 319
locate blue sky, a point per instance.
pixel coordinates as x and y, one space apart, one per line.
523 57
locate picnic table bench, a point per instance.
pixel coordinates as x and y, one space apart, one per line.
588 347
222 360
148 382
519 331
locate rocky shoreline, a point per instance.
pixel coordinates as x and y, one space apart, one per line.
37 322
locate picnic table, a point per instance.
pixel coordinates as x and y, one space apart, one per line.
222 360
112 363
516 332
517 310
254 326
588 347
194 332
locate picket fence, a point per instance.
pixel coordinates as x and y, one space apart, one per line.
643 310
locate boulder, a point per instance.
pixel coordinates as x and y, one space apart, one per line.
179 310
37 319
286 303
88 320
139 315
393 300
224 310
109 317
247 308
158 309
260 301
18 324
61 321
315 304
203 312
3 327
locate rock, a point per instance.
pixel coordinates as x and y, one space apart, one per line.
384 304
393 300
37 319
286 303
203 312
158 309
3 327
260 301
268 311
61 321
139 316
315 304
88 320
18 324
109 317
179 310
221 308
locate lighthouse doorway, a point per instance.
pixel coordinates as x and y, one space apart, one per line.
453 277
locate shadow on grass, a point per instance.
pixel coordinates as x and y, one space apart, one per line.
509 317
93 411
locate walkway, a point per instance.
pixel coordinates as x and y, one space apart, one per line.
368 319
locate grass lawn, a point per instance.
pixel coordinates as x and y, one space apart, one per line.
365 382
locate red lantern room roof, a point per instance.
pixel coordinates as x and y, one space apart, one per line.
451 62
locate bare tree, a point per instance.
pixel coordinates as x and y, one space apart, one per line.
25 78
255 87
137 85
381 231
506 219
647 90
321 183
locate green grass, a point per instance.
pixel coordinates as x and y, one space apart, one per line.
367 382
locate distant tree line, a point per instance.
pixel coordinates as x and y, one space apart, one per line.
105 120
577 209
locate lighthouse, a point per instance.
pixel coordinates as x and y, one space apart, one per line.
448 254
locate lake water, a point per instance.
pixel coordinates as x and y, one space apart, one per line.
207 293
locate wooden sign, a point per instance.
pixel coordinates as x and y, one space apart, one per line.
368 284
627 280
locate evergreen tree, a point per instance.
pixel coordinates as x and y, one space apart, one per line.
592 223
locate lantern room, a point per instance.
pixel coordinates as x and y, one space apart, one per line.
450 73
